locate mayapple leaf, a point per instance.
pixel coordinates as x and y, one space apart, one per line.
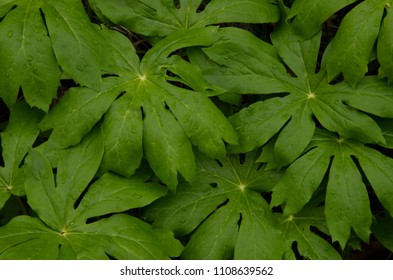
146 114
385 42
223 211
343 162
70 223
27 57
383 231
308 15
16 140
305 98
160 18
298 232
39 36
350 50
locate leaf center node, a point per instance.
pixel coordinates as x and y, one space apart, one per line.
142 77
290 218
311 95
242 187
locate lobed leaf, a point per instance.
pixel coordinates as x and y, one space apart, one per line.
150 116
16 140
303 100
161 18
385 42
63 230
347 205
299 232
40 37
308 16
223 211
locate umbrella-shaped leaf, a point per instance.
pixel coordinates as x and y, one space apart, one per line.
223 211
39 36
161 17
152 116
343 161
70 224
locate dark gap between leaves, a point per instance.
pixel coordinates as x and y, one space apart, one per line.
219 163
12 8
44 21
239 222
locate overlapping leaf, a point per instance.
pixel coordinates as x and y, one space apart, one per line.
245 64
299 233
150 116
351 49
347 204
38 36
69 226
17 139
224 211
159 18
383 230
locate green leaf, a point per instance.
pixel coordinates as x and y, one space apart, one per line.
27 58
292 103
166 146
150 112
347 198
122 128
17 139
29 239
383 231
39 36
70 224
350 50
347 204
161 18
297 231
308 16
223 211
385 42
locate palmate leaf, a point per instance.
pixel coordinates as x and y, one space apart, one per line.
144 113
38 36
245 64
347 204
224 211
159 18
298 232
62 229
16 140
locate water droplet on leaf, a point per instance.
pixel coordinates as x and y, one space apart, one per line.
10 34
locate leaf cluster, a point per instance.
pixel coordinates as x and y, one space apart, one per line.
240 130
